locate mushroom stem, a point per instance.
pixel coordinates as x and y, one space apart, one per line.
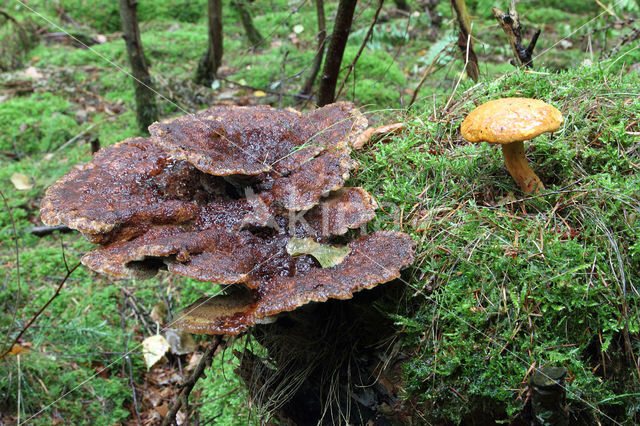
519 168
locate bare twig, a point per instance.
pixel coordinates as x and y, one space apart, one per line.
128 359
307 88
17 250
41 231
428 72
187 387
37 314
362 46
464 39
510 23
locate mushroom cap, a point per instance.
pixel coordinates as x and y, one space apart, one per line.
510 120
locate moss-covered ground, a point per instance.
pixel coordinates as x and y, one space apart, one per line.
503 282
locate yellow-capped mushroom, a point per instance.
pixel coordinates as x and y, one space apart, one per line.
510 122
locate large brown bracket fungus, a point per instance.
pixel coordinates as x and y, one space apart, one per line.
510 122
219 196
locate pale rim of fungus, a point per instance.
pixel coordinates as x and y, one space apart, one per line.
510 122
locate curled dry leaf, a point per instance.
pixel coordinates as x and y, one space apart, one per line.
377 133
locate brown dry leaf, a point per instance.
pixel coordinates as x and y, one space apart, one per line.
21 181
376 134
193 361
159 312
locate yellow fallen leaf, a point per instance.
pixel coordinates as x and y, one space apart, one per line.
259 94
17 350
153 349
21 181
328 256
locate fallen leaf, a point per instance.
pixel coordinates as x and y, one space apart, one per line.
327 255
159 312
377 133
21 181
193 361
259 94
153 349
32 72
17 350
181 342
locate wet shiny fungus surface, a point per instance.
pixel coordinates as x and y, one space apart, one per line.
126 189
374 259
217 196
229 140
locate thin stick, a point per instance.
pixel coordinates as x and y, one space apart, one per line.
427 73
17 250
362 46
128 359
191 381
46 230
37 314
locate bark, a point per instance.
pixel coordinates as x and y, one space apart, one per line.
212 58
146 107
464 40
307 88
247 22
510 23
337 43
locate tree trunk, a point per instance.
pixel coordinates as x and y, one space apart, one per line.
337 43
212 58
464 39
146 108
247 22
305 92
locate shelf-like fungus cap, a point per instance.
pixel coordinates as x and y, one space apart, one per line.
374 259
508 120
128 188
232 140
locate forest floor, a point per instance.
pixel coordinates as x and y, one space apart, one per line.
503 283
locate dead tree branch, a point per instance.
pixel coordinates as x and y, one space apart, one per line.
247 22
464 39
307 88
510 23
37 314
337 43
362 46
146 107
187 387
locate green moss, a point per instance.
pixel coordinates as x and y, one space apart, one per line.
106 17
39 122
